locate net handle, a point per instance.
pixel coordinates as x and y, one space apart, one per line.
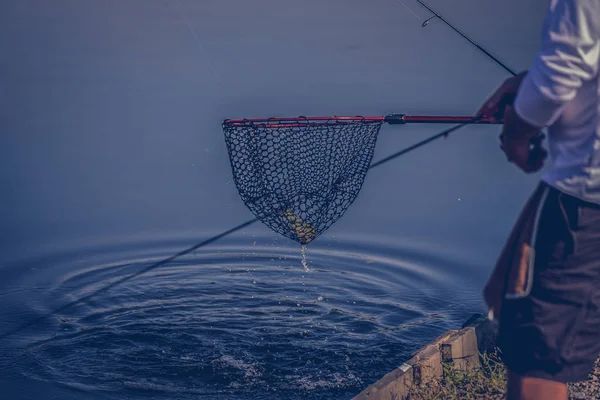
392 119
398 119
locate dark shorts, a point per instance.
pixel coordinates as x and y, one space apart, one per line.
554 332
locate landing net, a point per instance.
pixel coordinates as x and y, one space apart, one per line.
299 176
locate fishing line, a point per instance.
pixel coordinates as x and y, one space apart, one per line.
197 40
410 9
487 53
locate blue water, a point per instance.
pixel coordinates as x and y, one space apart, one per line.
243 319
112 162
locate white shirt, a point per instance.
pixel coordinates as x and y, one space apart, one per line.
562 92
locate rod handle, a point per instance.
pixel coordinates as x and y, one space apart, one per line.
398 119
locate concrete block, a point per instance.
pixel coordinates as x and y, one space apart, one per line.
427 365
461 351
423 366
460 348
393 386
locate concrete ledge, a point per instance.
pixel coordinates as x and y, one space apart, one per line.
458 347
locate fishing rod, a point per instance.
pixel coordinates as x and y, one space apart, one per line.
487 53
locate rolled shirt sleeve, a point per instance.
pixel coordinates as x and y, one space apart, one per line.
568 56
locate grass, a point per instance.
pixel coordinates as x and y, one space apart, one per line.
487 382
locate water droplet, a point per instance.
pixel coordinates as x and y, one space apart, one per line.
304 262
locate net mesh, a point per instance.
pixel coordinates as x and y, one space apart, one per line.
300 177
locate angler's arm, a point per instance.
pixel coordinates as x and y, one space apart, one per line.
569 55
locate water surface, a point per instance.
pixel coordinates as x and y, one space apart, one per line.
236 321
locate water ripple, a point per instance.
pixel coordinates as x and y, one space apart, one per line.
232 322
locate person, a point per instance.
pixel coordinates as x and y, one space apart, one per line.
549 329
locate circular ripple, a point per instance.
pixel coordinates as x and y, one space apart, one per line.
227 322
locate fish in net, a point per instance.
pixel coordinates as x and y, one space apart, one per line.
299 177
